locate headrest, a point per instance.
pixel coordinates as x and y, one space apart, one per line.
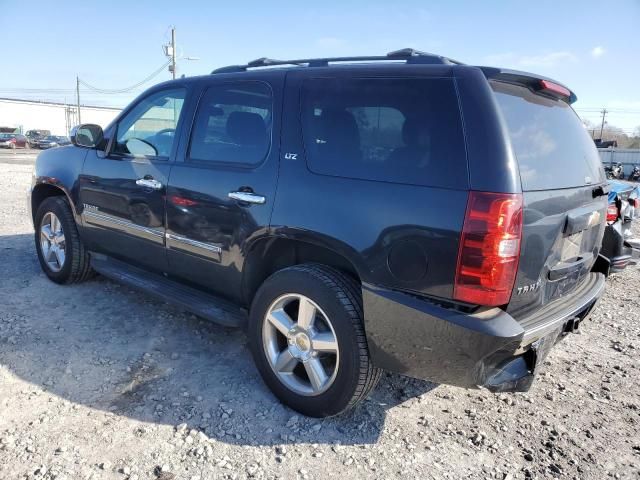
411 130
340 132
246 128
341 122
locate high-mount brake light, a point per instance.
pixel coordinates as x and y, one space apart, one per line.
555 88
489 249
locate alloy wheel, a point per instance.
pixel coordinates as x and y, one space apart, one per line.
300 344
52 242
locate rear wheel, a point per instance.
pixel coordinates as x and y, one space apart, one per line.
61 253
308 341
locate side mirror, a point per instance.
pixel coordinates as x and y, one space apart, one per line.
87 135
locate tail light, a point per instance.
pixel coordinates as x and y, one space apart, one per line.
489 248
612 213
635 202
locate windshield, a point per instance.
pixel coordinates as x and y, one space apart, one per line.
6 136
551 145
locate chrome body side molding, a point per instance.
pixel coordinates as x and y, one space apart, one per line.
203 249
157 235
109 221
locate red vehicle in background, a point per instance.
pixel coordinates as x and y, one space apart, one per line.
13 140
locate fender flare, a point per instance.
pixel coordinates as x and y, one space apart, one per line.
53 183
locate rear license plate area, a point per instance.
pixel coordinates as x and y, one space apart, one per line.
572 246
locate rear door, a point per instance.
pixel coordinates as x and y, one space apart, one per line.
222 189
564 199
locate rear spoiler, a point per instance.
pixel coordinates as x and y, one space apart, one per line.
536 83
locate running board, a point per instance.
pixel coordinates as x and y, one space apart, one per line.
200 303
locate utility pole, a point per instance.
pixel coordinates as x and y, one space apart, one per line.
78 98
604 114
173 52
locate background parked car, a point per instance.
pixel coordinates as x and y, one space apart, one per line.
34 136
53 141
618 244
13 140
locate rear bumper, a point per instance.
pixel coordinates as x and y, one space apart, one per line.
488 349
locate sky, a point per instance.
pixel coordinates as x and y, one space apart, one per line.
591 46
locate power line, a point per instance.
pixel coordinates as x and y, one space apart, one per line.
128 89
37 90
614 110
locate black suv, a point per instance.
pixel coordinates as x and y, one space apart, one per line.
402 212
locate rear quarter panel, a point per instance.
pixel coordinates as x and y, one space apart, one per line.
371 223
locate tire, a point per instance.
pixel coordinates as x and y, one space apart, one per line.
76 265
338 299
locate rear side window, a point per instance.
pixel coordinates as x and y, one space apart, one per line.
551 145
233 124
401 130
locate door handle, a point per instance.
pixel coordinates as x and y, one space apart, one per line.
248 197
149 183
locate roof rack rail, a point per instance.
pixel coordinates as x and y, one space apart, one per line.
409 55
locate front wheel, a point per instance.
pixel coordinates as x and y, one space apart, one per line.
61 253
307 338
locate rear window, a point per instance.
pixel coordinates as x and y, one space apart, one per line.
401 130
551 145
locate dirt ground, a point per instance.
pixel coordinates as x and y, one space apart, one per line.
100 382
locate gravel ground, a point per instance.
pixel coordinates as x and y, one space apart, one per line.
100 382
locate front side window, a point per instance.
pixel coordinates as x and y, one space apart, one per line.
233 124
149 129
401 130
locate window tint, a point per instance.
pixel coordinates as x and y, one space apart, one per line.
233 124
395 130
551 145
149 128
